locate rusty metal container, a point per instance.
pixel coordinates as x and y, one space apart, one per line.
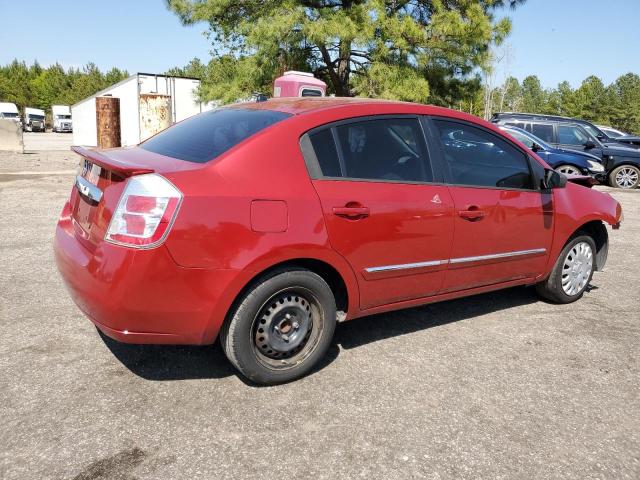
108 122
155 114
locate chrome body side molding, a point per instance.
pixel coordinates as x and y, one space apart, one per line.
457 261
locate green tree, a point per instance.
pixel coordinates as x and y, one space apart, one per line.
390 48
626 113
534 98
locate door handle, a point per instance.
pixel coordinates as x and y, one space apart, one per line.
351 212
472 213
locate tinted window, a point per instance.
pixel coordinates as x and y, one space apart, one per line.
204 137
543 131
478 157
326 153
311 92
571 135
389 149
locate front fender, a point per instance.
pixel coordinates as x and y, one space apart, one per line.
575 207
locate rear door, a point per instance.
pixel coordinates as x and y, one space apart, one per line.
503 224
383 210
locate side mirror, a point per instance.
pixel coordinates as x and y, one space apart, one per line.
589 144
535 147
553 179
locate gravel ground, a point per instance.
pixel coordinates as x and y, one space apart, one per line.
35 141
495 386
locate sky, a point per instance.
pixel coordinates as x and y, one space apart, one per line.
554 39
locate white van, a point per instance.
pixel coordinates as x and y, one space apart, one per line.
9 111
61 118
33 120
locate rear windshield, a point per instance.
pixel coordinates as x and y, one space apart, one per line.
204 137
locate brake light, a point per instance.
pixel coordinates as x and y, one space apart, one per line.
145 212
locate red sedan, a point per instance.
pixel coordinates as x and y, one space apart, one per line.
267 223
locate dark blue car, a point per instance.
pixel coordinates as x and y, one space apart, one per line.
570 162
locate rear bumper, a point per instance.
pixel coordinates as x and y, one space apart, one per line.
141 296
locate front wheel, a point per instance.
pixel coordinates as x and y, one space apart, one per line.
571 273
281 327
625 176
568 170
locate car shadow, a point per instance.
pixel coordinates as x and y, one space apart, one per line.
362 331
176 362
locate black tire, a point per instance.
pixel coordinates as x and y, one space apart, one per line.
281 327
556 288
625 176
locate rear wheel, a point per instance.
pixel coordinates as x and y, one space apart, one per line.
281 327
625 176
568 170
571 273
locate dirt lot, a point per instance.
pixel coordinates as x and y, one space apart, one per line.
495 386
46 141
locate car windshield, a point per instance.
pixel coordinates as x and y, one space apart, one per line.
527 138
36 117
9 115
63 117
205 136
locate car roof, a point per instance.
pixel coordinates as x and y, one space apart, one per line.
538 116
302 105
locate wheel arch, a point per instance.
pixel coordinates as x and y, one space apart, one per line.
598 232
322 268
338 276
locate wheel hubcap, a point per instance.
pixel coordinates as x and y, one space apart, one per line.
283 326
569 170
577 268
627 177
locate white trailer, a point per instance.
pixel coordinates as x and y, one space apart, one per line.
34 120
61 118
148 104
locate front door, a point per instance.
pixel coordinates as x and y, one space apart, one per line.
503 224
575 137
381 210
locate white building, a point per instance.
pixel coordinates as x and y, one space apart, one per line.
148 104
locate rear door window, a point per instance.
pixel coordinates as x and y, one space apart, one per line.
477 157
206 136
543 131
390 149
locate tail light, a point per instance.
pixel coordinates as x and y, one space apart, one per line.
145 212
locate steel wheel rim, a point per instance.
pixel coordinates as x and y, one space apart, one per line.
283 309
627 177
576 270
569 170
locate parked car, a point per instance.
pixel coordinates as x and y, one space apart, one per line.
627 140
631 141
266 223
621 163
593 130
611 132
569 162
